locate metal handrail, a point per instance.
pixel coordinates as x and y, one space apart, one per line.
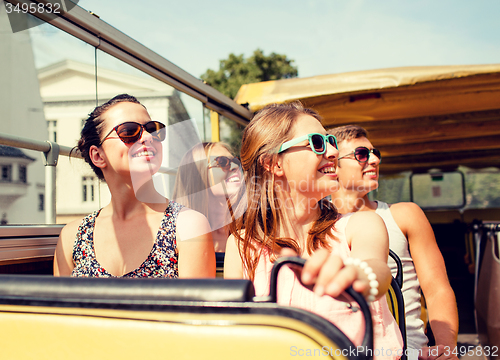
37 145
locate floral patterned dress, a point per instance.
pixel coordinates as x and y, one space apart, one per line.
161 262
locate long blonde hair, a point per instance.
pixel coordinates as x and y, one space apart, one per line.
192 186
258 228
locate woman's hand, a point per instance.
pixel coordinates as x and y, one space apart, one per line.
328 275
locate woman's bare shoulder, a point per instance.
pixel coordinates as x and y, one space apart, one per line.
71 228
192 224
365 224
365 218
189 216
67 238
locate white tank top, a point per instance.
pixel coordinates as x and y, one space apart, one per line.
398 243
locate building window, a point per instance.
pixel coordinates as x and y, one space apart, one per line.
41 202
52 129
88 188
22 173
7 173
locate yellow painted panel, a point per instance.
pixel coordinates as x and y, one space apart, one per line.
48 333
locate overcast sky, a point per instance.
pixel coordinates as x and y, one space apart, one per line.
322 36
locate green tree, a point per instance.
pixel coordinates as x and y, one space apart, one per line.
236 71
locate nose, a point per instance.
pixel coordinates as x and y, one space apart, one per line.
373 159
146 137
331 152
233 167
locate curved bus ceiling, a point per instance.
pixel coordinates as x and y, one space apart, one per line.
419 117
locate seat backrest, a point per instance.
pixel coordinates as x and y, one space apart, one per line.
395 300
89 318
396 305
487 294
219 264
33 332
399 266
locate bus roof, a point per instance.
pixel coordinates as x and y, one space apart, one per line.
419 117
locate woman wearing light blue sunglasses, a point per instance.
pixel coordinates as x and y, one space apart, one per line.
289 165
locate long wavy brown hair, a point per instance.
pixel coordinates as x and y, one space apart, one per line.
259 227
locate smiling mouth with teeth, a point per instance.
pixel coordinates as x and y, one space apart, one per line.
233 179
144 153
371 173
328 170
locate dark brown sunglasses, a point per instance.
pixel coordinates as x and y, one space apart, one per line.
130 132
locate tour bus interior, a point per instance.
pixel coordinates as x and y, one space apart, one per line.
438 129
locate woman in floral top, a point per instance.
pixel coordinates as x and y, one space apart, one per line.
139 233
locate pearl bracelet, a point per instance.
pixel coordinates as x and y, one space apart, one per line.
372 277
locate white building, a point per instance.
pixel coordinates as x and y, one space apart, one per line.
22 185
51 104
14 184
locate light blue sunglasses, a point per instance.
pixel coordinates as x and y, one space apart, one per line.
318 142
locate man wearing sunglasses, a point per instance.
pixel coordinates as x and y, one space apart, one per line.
409 232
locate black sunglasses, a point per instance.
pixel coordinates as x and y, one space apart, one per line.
362 154
224 162
129 132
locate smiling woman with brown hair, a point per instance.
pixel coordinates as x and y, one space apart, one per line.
140 233
289 163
